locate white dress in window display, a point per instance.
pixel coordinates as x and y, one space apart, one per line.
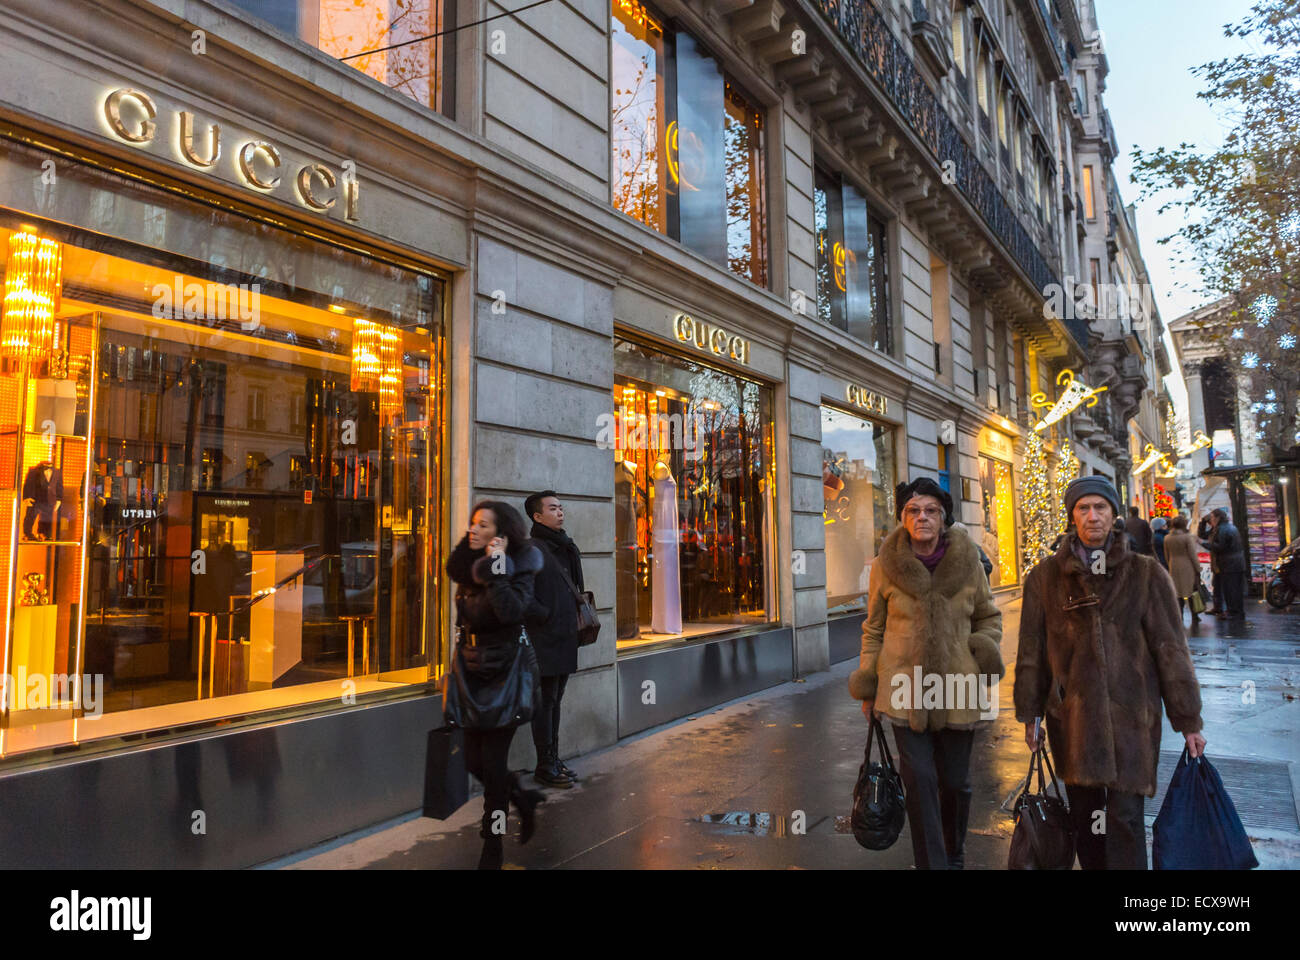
666 612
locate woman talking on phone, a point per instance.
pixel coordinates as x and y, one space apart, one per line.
493 567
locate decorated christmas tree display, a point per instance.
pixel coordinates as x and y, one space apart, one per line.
1067 468
1164 503
1036 502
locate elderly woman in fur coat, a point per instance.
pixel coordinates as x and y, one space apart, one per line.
1101 643
930 649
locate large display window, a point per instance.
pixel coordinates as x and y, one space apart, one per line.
998 538
859 473
218 462
693 492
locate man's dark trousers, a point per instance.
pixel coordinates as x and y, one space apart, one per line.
546 719
1117 841
1234 593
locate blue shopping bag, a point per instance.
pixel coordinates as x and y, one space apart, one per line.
1198 827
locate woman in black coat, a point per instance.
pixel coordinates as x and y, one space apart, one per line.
493 566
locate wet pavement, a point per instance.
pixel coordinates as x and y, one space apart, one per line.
766 782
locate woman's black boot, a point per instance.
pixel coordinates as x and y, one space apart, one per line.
526 801
493 855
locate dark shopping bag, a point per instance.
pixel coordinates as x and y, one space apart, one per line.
878 802
1198 827
1043 838
446 781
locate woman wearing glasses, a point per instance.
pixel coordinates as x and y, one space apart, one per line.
930 620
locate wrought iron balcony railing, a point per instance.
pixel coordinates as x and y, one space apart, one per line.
865 33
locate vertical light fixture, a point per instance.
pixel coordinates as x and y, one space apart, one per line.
33 284
377 363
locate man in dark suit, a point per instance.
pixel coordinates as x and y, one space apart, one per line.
43 497
1140 531
552 623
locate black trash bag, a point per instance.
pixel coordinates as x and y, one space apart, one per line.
1044 836
1198 827
878 804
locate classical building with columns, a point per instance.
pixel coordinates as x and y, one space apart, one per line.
721 273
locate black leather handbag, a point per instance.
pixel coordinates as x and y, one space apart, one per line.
1044 836
878 801
491 686
588 621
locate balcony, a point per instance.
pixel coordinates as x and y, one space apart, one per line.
867 36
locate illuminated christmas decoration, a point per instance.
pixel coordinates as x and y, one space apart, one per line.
1067 468
1036 503
1164 503
1151 458
1199 440
1076 392
33 283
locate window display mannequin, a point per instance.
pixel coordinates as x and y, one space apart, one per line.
43 498
667 581
625 592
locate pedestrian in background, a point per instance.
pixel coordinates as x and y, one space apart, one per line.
929 608
1159 530
1226 548
1101 643
1205 530
493 567
553 628
1184 563
1139 530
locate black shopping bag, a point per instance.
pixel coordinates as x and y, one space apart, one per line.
1198 827
446 781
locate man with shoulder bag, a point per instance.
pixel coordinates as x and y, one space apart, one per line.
553 625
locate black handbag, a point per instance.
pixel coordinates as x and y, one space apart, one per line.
1044 836
446 780
878 801
588 621
491 686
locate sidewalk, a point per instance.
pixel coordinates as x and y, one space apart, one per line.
728 789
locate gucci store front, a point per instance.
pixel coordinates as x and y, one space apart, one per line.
220 504
696 518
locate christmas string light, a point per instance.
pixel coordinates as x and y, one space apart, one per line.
1036 502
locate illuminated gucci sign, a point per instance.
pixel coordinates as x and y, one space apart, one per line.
866 399
133 116
709 337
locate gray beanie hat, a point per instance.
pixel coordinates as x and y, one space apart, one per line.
1086 486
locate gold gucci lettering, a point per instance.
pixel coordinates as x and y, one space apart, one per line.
707 336
866 399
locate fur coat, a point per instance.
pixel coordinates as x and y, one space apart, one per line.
945 623
1098 652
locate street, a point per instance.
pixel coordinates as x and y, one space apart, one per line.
766 782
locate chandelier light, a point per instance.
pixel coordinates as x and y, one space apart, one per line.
377 363
33 283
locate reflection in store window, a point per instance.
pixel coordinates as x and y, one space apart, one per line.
859 473
999 536
196 539
693 492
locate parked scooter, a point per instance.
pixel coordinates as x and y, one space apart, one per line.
1284 586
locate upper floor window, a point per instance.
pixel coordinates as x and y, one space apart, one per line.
982 89
959 45
396 37
1089 201
852 293
686 143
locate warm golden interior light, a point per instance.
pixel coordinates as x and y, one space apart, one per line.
33 283
377 363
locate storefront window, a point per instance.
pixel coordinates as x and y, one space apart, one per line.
217 462
686 143
998 492
851 290
859 472
693 498
418 58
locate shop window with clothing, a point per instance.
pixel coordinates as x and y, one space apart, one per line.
694 511
998 496
859 473
687 144
405 44
852 293
198 546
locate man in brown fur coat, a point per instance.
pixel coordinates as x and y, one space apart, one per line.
1101 643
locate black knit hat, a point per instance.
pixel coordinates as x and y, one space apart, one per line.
923 487
1095 485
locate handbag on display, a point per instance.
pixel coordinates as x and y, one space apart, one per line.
1044 837
1198 827
878 801
588 621
446 779
491 686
